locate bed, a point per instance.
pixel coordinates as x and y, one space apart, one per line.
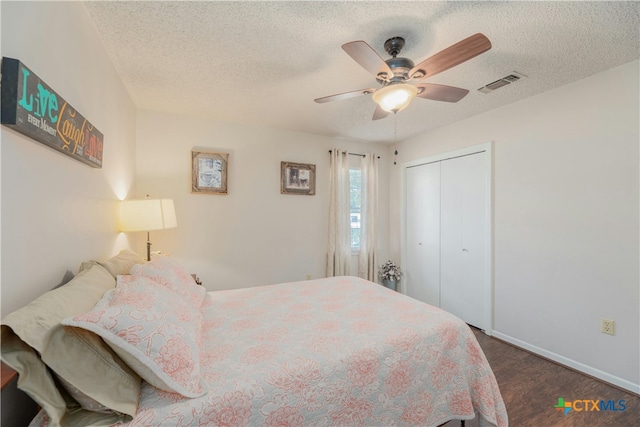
143 345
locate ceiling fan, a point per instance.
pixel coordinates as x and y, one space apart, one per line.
396 75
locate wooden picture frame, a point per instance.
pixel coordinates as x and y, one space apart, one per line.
297 178
209 172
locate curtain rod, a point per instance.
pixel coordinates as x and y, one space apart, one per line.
353 154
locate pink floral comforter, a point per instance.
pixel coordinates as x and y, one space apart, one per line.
331 352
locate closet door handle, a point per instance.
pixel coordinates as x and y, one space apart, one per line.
465 250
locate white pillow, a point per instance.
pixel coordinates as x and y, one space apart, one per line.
155 331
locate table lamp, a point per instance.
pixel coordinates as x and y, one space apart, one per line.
147 215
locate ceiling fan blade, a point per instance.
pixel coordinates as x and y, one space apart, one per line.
368 58
379 113
345 95
441 92
455 54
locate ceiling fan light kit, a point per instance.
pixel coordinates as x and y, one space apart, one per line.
396 74
395 97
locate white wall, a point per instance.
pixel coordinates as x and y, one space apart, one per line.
56 211
566 221
254 235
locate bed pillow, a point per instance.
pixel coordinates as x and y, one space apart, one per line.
119 264
169 273
33 376
85 401
152 329
33 340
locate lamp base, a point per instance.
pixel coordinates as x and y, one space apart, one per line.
148 248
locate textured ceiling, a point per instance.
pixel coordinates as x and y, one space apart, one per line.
263 63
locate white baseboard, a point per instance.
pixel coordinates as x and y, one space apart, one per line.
597 373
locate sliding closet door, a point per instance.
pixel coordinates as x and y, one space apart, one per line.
462 227
422 279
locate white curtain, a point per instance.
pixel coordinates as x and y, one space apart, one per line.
367 262
339 250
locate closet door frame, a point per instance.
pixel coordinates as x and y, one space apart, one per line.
487 148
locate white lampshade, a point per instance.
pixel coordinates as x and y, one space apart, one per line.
395 97
147 215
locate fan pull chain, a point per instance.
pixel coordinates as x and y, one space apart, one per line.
395 129
395 133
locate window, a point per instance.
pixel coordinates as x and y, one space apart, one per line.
355 186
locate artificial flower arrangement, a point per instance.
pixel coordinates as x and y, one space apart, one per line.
389 271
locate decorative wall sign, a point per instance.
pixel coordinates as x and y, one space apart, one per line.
31 107
297 178
209 172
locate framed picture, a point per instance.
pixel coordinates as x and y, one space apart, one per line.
297 178
209 172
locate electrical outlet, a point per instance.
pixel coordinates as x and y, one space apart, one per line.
608 326
308 277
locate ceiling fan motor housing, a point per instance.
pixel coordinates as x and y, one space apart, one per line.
400 68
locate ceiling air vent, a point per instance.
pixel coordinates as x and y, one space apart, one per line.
511 78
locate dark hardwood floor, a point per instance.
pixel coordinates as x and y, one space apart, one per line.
531 386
